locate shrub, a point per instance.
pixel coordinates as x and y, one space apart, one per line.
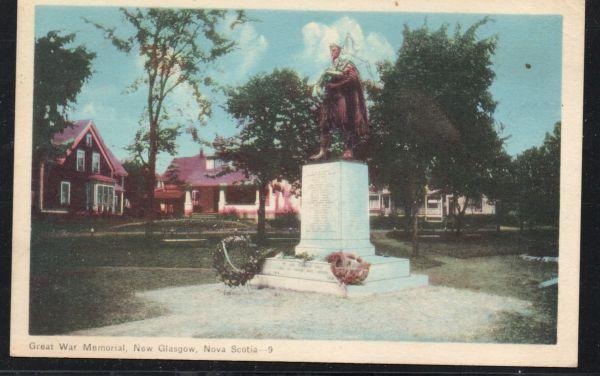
382 222
285 221
231 215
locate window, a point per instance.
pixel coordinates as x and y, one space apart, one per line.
219 163
65 193
105 197
476 204
374 202
241 195
89 196
433 204
80 160
88 139
96 162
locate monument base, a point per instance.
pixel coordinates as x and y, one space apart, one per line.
335 209
386 275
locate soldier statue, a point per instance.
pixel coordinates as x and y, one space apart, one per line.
343 105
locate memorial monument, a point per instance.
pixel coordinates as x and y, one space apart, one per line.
335 204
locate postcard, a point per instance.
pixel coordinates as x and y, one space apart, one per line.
392 182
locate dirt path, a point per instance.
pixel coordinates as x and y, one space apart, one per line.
432 313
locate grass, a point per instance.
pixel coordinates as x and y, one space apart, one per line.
490 267
80 281
64 300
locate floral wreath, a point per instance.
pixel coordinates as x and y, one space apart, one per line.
348 268
231 274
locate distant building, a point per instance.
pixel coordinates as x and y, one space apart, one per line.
87 179
203 186
435 207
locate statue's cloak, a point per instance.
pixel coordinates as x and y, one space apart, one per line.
344 100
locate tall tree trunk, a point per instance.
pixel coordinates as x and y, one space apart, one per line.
151 178
498 215
263 190
407 217
461 216
415 228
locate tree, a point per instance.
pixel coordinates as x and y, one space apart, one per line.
60 71
276 117
501 187
454 72
176 46
134 186
537 172
409 131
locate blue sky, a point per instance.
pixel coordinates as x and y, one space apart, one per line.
529 100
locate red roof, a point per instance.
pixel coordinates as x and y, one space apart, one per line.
76 130
70 132
192 170
103 178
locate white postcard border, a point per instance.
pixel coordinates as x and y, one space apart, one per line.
563 354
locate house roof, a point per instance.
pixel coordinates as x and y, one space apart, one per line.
193 171
74 132
101 178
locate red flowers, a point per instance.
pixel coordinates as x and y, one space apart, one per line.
348 268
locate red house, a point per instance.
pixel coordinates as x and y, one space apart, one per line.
205 188
88 178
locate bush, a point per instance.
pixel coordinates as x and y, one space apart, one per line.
390 222
231 215
285 221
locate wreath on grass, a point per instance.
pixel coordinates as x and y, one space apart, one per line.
348 268
248 259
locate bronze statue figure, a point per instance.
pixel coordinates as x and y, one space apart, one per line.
343 106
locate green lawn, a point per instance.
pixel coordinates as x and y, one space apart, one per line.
80 281
490 266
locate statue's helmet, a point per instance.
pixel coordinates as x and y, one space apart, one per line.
335 45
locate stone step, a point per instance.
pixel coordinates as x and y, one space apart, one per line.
382 268
335 288
387 267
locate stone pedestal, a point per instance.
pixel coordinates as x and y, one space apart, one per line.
335 209
335 217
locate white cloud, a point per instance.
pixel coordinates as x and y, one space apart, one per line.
250 49
89 110
364 49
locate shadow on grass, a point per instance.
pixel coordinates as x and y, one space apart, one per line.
392 248
513 327
69 299
486 243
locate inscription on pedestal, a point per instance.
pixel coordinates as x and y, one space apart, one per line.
320 206
335 209
355 205
320 271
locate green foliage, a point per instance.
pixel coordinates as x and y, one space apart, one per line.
134 186
176 46
304 256
433 116
278 130
456 72
537 172
382 222
60 71
285 221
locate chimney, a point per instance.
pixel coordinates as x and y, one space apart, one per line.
201 155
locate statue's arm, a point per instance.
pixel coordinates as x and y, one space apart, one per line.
349 76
